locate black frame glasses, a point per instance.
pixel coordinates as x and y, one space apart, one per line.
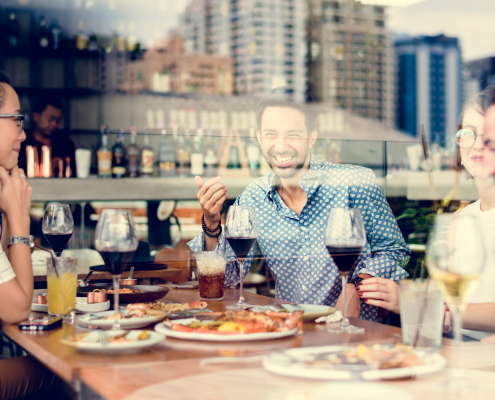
459 135
18 117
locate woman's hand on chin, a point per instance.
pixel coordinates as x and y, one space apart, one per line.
15 197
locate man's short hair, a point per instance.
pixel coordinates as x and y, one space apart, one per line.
5 79
43 101
279 97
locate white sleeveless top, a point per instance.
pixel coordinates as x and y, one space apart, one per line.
485 292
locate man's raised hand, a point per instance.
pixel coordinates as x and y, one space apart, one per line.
211 195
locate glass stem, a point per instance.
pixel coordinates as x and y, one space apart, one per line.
241 273
457 325
116 287
345 320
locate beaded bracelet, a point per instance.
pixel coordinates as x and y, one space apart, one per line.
214 236
205 228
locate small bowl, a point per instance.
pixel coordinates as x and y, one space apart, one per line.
97 297
127 282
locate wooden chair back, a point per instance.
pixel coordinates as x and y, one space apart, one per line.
175 258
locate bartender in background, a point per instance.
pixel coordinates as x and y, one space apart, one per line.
47 116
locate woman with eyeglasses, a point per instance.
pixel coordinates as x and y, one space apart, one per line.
20 377
385 294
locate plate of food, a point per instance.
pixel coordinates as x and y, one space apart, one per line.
311 311
138 315
354 362
112 340
233 326
130 293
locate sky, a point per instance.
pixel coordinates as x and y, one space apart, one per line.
472 21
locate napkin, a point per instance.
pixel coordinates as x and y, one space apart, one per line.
335 317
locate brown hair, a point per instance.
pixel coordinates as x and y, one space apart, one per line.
5 79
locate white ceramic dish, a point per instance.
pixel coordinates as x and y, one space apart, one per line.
291 363
91 342
311 311
81 305
131 323
165 328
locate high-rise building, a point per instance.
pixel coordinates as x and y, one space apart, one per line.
429 86
350 62
267 41
477 75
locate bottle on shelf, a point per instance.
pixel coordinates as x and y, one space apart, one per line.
210 157
253 153
166 155
104 155
13 31
133 156
197 155
183 156
56 33
147 158
81 38
44 40
118 157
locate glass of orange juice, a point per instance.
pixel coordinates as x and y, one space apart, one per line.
62 286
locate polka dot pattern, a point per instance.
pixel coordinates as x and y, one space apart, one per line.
293 244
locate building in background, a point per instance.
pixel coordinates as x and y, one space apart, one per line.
350 62
477 75
166 67
429 86
267 41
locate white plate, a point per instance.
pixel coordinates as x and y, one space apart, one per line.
311 311
81 305
166 329
289 363
91 341
131 323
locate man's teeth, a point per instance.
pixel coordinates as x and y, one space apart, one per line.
283 159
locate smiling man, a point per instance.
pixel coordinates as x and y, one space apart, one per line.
292 204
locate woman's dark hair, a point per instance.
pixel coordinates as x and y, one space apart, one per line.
279 97
4 79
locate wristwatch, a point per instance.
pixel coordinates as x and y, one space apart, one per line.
21 240
357 281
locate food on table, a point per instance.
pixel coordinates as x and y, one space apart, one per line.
61 293
120 338
168 307
245 322
121 291
376 356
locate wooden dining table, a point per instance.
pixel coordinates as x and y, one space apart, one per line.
179 369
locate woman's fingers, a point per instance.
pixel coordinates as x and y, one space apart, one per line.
379 303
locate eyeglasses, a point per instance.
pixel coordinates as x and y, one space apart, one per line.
466 138
17 117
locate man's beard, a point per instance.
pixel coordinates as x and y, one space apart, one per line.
294 170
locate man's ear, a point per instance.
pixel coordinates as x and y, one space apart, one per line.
312 138
36 117
258 135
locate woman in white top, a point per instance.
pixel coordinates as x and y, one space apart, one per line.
20 377
384 293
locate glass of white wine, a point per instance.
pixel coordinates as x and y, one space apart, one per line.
455 259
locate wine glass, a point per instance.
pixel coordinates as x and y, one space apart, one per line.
456 263
57 226
345 238
241 231
116 240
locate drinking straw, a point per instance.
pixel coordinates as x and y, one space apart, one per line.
51 253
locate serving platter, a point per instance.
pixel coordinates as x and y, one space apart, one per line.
294 363
151 293
98 320
165 328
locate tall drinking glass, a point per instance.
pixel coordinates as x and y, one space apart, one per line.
456 266
345 238
116 240
241 231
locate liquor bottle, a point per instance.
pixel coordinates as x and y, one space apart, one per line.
253 153
183 156
197 155
56 32
13 31
118 157
210 157
133 156
166 155
44 40
104 156
81 38
147 158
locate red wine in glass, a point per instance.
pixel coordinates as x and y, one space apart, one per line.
115 261
58 241
344 256
241 246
